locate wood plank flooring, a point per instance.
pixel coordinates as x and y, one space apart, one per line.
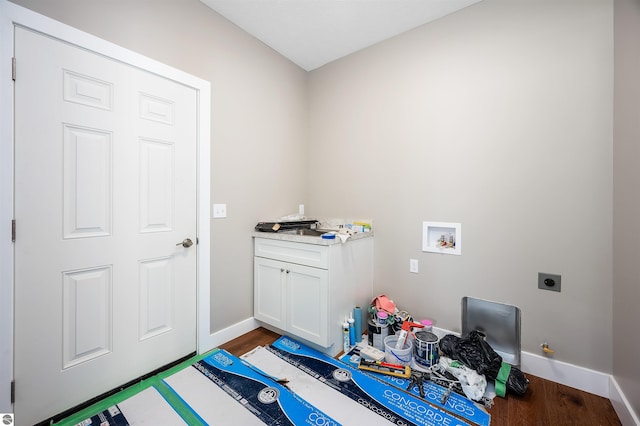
544 403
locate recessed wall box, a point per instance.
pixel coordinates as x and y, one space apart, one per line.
442 237
549 281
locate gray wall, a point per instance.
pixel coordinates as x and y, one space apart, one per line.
498 117
626 200
259 120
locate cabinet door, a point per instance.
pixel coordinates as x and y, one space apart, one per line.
307 305
269 295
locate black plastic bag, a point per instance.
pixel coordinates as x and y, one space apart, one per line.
474 352
517 381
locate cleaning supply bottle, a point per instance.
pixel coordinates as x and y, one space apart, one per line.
345 336
352 330
357 313
404 333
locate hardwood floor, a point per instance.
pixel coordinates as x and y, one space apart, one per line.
544 403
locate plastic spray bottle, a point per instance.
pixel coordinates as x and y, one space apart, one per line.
345 336
404 333
352 330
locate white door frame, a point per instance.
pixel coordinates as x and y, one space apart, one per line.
11 15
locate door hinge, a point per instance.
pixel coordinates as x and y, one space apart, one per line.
13 391
13 230
13 68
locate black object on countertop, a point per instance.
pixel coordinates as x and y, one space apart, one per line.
284 226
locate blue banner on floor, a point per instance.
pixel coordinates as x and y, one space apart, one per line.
398 407
264 397
433 394
110 417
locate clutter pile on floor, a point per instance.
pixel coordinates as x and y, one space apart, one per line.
467 365
286 383
404 375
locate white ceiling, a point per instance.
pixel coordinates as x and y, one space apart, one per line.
312 33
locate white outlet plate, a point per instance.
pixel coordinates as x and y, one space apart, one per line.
413 265
219 211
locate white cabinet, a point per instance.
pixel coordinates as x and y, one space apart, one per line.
305 289
293 298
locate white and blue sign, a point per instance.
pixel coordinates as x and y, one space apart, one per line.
268 400
433 393
395 405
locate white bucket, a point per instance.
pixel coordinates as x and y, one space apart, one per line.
397 356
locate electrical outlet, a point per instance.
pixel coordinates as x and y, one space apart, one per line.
413 265
549 281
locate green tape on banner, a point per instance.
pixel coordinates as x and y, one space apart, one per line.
176 403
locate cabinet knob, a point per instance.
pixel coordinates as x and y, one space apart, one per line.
288 271
281 269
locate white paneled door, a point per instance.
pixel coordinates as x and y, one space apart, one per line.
105 196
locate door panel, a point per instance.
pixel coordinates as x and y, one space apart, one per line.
86 315
105 188
87 171
156 297
156 197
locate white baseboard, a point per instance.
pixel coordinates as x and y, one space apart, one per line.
566 374
586 380
219 337
596 382
621 405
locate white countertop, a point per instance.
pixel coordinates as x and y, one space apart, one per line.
309 239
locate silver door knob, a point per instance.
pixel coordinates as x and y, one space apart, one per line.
186 243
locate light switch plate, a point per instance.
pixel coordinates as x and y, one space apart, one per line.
219 211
